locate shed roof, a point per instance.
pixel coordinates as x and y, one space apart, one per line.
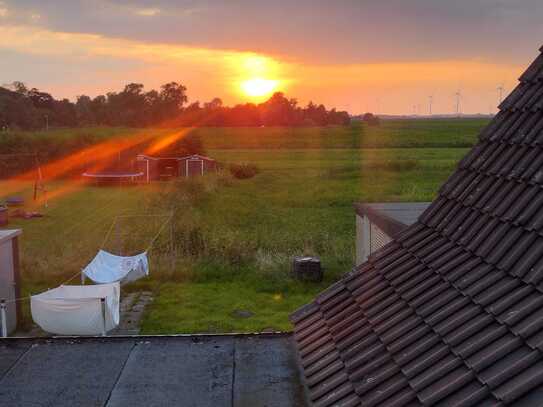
186 157
451 311
392 217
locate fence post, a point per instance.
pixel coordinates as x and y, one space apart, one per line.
103 305
4 318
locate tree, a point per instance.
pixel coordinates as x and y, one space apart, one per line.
133 106
84 112
173 97
371 120
214 104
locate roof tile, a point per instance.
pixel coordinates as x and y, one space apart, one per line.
451 311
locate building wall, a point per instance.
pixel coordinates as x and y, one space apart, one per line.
7 282
369 238
196 166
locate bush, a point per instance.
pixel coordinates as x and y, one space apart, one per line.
243 171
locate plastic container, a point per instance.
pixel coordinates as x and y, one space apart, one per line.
3 216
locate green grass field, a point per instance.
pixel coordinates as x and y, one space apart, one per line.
234 238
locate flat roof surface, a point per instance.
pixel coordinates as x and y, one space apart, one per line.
207 370
392 217
404 212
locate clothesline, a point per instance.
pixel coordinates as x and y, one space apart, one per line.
170 216
29 296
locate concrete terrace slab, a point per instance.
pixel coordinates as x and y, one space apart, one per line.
201 370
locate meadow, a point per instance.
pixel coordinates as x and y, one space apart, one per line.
234 239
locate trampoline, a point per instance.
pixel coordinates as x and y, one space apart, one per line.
120 177
15 201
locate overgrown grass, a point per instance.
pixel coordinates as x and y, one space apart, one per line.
233 238
391 133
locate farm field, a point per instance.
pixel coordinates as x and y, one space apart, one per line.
234 238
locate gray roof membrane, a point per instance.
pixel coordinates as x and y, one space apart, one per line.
199 371
392 217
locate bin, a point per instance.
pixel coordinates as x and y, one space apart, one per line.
3 216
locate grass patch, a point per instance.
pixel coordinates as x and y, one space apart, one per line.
234 238
210 307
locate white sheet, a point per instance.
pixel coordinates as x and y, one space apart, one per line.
108 268
77 310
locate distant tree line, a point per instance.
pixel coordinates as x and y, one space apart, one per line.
27 109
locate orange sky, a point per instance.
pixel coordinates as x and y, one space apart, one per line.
68 59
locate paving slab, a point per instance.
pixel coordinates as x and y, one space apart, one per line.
186 372
266 373
65 373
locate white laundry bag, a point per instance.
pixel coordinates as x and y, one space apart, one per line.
77 310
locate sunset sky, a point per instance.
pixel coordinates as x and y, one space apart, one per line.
386 56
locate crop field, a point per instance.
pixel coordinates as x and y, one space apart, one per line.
233 239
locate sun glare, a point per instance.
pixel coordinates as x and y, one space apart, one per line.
258 87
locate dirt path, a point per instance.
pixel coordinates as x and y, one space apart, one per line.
132 308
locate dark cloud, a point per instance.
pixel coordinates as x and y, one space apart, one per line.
343 31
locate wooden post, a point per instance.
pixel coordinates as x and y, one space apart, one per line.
3 317
103 305
82 278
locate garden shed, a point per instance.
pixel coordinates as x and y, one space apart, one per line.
196 164
164 168
10 276
378 223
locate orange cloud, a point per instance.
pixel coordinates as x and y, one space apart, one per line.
208 73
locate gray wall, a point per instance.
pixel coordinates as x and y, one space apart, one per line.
7 281
369 238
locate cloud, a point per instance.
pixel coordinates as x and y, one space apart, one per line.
147 12
3 10
74 63
310 31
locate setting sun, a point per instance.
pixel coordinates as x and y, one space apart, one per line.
258 87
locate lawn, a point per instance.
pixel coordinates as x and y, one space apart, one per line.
234 238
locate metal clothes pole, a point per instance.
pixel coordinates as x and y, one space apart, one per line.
3 316
119 247
103 304
172 245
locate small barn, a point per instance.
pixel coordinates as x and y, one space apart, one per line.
196 164
164 168
379 223
157 168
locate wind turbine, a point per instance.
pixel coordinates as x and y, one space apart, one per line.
430 102
458 96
